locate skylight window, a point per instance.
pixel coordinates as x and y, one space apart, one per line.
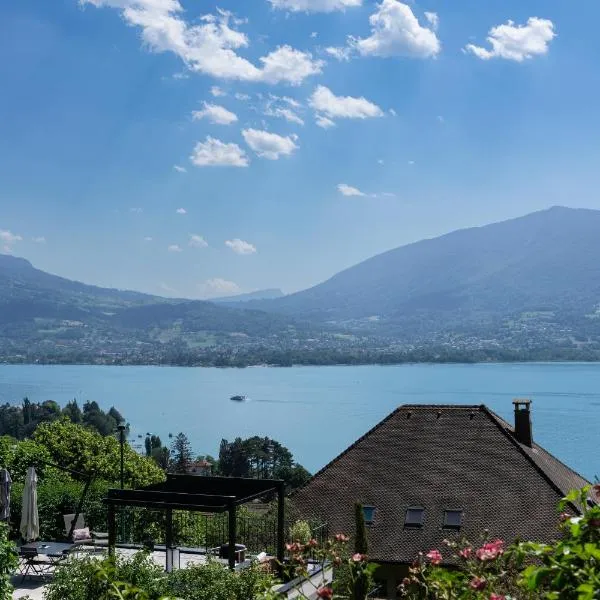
414 517
453 518
369 513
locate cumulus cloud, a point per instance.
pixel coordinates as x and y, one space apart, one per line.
517 42
180 169
395 31
240 246
181 211
276 107
175 248
8 239
197 241
314 5
217 92
211 46
216 114
213 288
348 190
327 104
215 153
342 53
269 145
242 97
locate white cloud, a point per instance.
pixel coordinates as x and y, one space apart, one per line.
289 65
39 240
325 102
517 42
388 194
180 169
324 122
291 101
181 76
240 246
380 161
411 162
314 5
215 153
269 145
217 92
340 52
136 210
395 31
348 190
213 288
314 35
175 248
392 112
148 238
433 19
181 211
8 239
197 241
210 47
242 97
216 114
285 113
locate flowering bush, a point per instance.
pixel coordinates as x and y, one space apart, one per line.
566 570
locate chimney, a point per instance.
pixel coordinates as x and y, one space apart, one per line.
523 433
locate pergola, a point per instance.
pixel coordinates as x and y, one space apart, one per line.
198 494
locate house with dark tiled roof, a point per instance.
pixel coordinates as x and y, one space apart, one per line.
428 473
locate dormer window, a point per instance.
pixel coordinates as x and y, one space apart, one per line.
414 517
369 514
453 518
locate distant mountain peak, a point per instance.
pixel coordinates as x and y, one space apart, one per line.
8 261
268 294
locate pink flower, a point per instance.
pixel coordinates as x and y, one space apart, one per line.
325 592
490 550
497 597
312 543
477 583
434 556
466 552
358 557
340 537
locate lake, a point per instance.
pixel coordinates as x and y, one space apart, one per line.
318 411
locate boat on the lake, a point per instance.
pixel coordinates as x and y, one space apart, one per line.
239 398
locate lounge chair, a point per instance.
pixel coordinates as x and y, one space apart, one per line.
82 536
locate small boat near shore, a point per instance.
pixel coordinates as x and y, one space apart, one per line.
239 398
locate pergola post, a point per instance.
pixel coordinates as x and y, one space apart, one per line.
280 522
112 529
232 533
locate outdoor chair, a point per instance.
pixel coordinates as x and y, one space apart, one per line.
82 536
31 563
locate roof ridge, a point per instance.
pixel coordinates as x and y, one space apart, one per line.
497 420
377 426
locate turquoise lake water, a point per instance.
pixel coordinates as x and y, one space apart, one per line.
318 411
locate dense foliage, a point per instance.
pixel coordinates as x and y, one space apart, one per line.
8 563
141 578
21 421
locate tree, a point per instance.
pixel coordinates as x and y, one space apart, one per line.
151 443
361 546
73 412
181 453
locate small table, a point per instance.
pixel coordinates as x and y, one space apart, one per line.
55 551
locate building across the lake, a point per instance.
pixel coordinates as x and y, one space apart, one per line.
432 472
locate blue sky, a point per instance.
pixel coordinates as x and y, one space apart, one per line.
339 129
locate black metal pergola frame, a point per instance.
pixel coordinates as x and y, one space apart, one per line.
199 494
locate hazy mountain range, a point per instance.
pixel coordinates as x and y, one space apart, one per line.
535 277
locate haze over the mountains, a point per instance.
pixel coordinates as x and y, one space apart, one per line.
526 282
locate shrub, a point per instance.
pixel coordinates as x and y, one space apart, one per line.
300 532
216 582
92 579
8 563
